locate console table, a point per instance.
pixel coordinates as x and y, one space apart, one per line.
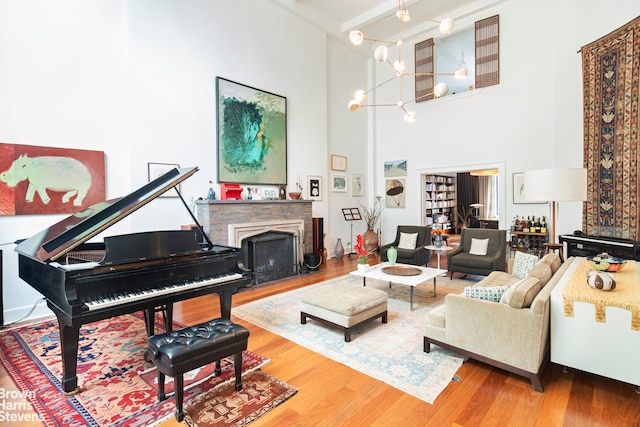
608 348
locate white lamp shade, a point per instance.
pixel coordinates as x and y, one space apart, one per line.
354 105
381 53
555 185
460 74
360 95
356 37
441 90
446 26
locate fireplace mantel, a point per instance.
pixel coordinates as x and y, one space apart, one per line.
216 216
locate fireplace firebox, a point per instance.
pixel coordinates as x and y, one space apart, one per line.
271 255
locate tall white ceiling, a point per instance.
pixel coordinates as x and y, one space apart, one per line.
376 18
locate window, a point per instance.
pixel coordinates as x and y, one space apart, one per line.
477 49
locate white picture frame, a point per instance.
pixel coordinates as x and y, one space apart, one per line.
314 187
357 185
339 183
156 170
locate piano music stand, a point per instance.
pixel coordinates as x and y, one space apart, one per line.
350 215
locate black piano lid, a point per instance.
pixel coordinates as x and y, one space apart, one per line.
62 237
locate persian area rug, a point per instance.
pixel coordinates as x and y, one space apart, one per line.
389 352
611 88
226 407
117 386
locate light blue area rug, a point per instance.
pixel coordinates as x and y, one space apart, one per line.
389 352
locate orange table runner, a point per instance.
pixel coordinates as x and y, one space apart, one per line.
626 295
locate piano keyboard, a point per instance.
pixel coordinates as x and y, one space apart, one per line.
142 294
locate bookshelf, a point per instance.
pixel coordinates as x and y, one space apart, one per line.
439 200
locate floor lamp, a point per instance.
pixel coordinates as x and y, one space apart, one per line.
555 185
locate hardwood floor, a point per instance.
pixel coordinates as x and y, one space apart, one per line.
331 394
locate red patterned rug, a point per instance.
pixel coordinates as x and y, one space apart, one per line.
117 387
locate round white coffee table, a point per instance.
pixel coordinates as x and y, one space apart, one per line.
438 251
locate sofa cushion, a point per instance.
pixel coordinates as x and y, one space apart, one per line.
522 264
487 293
408 240
553 261
542 272
479 246
522 293
498 278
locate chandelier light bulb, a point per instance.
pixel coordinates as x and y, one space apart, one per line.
360 95
403 15
410 116
354 105
441 90
399 66
356 37
381 53
446 26
460 74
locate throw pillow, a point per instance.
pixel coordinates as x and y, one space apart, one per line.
407 240
553 261
522 264
521 293
542 272
479 246
487 293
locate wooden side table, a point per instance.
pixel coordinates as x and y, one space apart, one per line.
550 247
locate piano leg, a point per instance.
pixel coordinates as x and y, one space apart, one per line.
225 303
69 336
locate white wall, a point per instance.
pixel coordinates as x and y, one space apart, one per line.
136 79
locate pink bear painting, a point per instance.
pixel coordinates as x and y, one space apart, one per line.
47 180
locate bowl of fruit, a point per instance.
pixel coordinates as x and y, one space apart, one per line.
606 262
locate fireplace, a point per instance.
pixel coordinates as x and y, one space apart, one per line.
271 255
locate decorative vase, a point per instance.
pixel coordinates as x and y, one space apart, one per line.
438 241
392 255
339 250
363 267
370 238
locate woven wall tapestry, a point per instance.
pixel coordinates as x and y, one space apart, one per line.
611 69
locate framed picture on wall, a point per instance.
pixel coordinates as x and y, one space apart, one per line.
338 163
357 185
339 183
156 170
252 134
314 187
518 190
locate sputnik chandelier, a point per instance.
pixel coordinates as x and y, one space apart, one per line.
381 54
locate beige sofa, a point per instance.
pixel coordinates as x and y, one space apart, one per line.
512 334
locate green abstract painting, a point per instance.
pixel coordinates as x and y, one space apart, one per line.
252 134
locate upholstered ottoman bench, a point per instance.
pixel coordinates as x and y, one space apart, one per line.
174 353
344 306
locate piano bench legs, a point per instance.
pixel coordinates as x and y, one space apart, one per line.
177 352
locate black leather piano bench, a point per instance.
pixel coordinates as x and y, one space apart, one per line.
174 353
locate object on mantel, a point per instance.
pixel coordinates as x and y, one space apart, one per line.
230 192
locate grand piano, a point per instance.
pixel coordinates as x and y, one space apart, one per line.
132 272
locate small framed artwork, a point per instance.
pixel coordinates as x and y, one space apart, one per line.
156 170
338 163
395 193
357 185
518 190
314 187
269 194
339 183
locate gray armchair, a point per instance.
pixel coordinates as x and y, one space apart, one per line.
460 260
416 256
